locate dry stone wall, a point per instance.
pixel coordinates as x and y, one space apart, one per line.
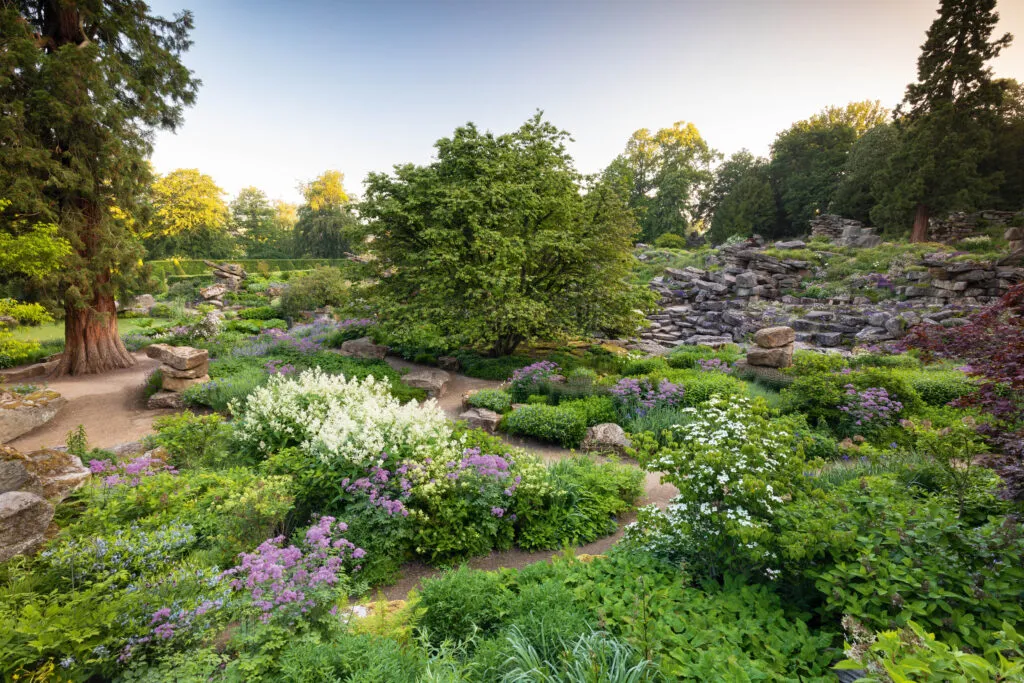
746 290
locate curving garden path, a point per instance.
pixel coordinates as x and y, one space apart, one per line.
112 408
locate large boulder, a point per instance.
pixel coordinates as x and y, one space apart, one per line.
14 476
606 438
20 414
142 304
781 357
364 348
213 291
24 518
774 337
178 357
180 384
481 418
59 473
433 381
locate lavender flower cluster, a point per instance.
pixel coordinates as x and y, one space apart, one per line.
287 582
634 397
871 407
278 367
130 472
714 365
536 372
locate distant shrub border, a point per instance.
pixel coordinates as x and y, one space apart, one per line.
185 267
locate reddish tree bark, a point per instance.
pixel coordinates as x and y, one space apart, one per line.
920 231
91 341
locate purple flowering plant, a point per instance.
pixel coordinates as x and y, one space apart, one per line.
714 365
286 583
530 379
868 410
128 473
634 397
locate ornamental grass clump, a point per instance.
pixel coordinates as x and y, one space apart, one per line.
340 420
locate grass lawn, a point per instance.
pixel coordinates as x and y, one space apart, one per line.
55 331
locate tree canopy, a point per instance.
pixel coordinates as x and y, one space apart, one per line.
326 226
189 216
499 241
947 117
254 221
83 86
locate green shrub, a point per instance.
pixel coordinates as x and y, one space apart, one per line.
643 366
184 290
192 440
259 313
556 424
14 352
219 393
699 385
459 604
686 357
357 658
884 360
807 362
656 420
491 399
154 383
593 409
670 240
537 399
497 369
324 286
25 313
939 387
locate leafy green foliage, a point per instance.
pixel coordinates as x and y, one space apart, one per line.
324 286
189 216
492 399
557 424
25 313
494 244
192 440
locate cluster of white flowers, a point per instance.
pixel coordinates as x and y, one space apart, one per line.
334 417
728 463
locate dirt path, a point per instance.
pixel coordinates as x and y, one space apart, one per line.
110 406
415 572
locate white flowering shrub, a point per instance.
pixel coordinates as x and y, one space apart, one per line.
734 467
351 420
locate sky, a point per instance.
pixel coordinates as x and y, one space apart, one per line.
291 89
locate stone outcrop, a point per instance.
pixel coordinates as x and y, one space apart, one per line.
431 380
844 232
228 277
481 418
24 518
21 413
744 289
961 225
180 366
163 400
772 348
59 473
364 348
142 304
607 437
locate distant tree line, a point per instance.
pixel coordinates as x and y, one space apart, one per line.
955 142
185 214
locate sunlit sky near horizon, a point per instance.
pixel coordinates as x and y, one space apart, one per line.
291 89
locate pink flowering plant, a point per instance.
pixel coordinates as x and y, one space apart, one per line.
285 583
866 411
128 473
531 379
634 397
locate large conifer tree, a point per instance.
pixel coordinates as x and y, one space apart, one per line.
83 84
947 117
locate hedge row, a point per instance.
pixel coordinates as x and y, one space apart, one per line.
185 267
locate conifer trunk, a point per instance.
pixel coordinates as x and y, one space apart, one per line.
920 231
91 342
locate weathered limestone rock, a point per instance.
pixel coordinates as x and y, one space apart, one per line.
24 518
481 418
165 399
180 384
434 382
193 373
142 304
14 476
213 291
780 357
59 473
607 437
21 414
774 337
364 348
178 357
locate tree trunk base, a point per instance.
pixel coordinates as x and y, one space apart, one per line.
920 230
91 342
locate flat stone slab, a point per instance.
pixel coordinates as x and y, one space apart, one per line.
179 384
21 414
364 348
434 382
26 372
781 357
165 399
774 337
178 357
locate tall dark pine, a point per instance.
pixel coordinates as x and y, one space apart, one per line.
83 85
947 115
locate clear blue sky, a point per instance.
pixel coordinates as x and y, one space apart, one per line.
291 89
